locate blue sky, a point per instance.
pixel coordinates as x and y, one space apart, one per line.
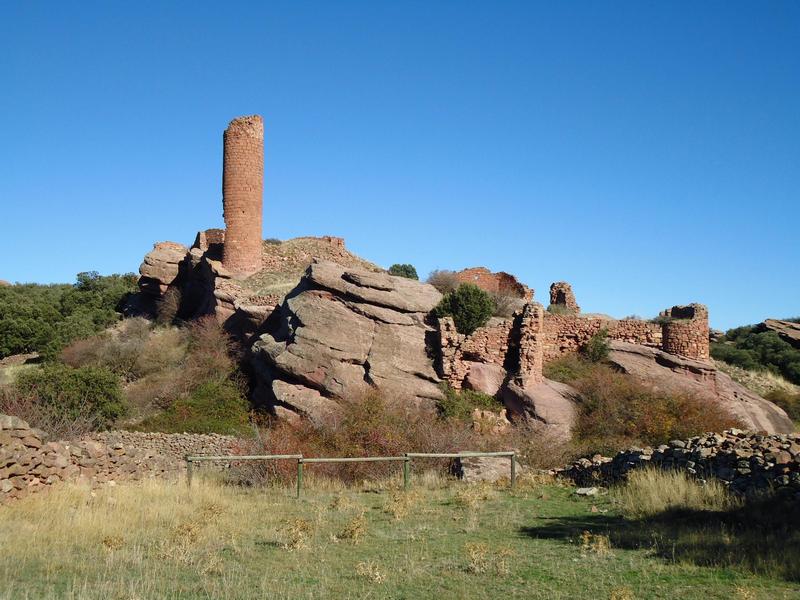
649 153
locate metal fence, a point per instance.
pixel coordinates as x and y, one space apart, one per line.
406 459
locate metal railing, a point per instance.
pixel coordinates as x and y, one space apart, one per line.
406 459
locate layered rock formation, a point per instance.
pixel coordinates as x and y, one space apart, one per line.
788 331
670 372
341 331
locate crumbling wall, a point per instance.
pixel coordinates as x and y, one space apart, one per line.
488 344
532 340
570 333
211 242
686 331
496 283
29 463
561 295
242 194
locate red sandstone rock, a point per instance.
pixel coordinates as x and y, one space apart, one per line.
561 295
486 378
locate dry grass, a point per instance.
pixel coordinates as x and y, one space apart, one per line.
760 382
163 540
650 492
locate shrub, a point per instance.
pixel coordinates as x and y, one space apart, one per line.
75 393
750 349
404 270
788 401
443 280
506 304
44 318
273 241
366 426
568 368
459 404
212 407
58 424
559 309
617 411
469 305
596 349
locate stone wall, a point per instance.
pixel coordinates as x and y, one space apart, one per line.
569 333
29 463
686 331
741 460
488 344
242 194
532 341
496 283
561 295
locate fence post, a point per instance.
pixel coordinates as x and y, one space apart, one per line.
406 472
299 476
189 469
513 470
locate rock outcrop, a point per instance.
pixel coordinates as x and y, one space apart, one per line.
788 331
161 267
670 372
341 331
550 403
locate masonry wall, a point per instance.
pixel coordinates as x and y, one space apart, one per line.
488 344
686 331
569 333
29 463
242 194
497 283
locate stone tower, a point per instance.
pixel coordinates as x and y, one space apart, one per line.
242 194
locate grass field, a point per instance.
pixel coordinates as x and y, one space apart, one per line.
441 540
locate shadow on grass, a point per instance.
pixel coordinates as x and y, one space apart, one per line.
762 536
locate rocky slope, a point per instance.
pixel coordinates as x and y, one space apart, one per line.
670 372
344 329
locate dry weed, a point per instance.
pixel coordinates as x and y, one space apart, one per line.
401 503
355 530
621 593
481 560
296 533
371 571
595 544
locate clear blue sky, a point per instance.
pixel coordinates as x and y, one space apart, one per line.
647 152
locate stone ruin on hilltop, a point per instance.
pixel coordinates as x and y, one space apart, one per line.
324 324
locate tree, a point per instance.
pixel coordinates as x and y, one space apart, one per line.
404 270
469 305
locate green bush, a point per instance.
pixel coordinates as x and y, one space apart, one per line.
404 270
759 350
459 404
596 349
75 393
469 306
212 407
45 318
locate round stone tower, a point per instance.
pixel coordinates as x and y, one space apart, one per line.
242 194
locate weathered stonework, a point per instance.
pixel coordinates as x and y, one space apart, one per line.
496 283
561 295
531 344
686 331
29 463
570 333
242 194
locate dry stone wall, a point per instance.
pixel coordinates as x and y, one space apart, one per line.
569 333
29 463
561 295
743 461
685 331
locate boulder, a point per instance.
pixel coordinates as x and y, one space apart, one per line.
474 469
670 372
549 402
160 267
343 330
487 378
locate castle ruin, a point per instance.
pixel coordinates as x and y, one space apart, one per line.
242 194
